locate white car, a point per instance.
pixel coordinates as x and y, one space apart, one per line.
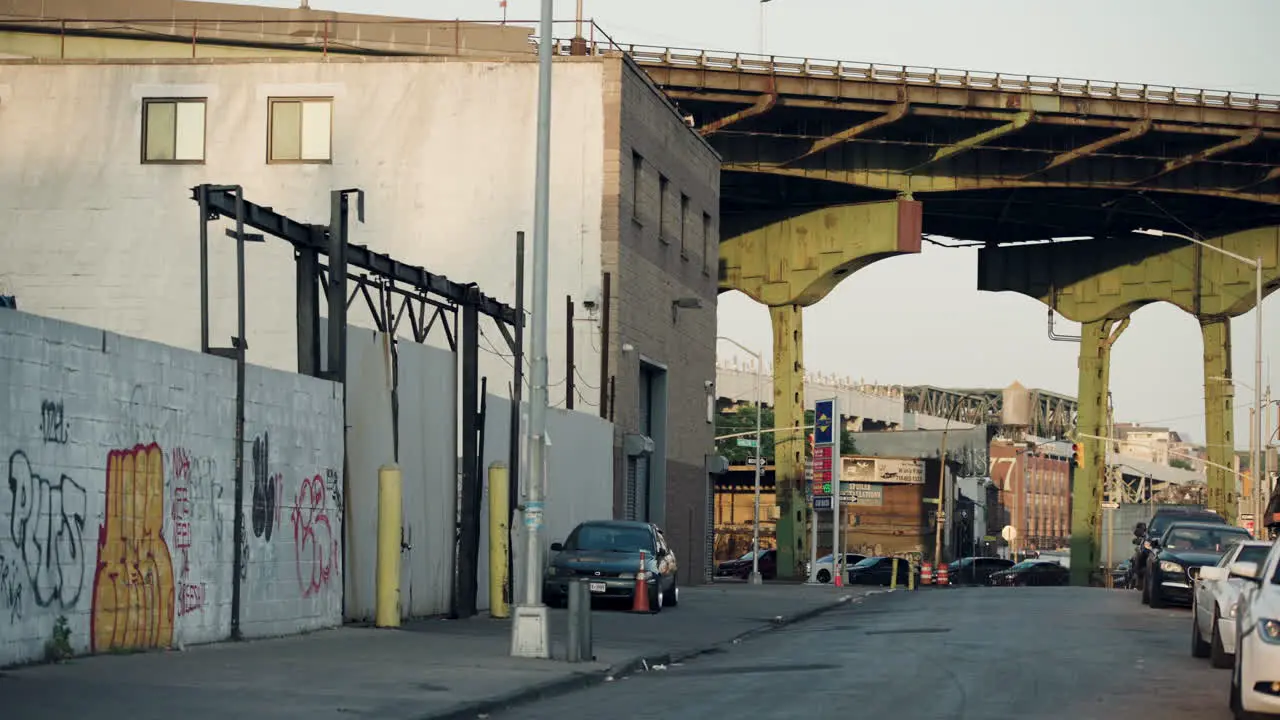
1255 681
1213 603
821 571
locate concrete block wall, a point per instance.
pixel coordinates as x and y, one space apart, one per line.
117 508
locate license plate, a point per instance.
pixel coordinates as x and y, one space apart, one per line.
597 587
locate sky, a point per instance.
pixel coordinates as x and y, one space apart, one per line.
919 319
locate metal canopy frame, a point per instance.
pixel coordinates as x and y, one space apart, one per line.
393 292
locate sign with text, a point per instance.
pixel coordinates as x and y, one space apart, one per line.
822 462
824 422
881 470
862 494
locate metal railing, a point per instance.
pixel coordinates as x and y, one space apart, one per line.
325 37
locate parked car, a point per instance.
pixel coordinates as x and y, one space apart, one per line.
1257 634
878 570
1176 558
607 553
1144 533
1122 575
740 567
1213 608
825 569
975 570
1031 572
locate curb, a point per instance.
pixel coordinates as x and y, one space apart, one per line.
579 681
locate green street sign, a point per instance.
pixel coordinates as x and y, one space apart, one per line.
826 488
746 442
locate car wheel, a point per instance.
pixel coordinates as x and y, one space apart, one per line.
655 600
1153 596
824 576
1199 648
1218 656
673 595
1146 591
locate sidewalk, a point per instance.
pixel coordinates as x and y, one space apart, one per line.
427 669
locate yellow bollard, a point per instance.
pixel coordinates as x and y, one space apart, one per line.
499 546
389 537
911 575
893 582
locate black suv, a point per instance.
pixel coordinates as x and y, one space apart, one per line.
1144 533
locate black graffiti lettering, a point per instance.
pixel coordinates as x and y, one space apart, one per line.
53 422
264 489
10 589
46 524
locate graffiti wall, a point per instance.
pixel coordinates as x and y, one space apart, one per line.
117 487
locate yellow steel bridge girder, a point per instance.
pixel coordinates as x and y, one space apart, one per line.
1094 280
787 266
799 260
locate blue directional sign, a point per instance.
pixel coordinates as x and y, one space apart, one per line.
824 422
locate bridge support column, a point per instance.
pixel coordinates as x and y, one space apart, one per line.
1218 415
788 265
1096 339
789 445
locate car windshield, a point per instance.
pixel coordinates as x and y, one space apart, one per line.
867 562
610 538
1201 539
1025 564
748 555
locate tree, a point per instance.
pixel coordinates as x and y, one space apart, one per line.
743 420
1179 463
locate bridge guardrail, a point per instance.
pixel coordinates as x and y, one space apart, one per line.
939 77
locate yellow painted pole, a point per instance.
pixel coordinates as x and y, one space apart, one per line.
893 582
499 548
911 575
389 534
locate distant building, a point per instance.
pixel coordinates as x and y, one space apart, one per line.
1152 444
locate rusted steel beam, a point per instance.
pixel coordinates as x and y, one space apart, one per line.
762 105
969 143
1272 174
1136 130
895 114
879 179
1178 163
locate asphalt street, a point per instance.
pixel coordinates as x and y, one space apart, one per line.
956 653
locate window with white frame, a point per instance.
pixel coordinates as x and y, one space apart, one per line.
173 130
300 130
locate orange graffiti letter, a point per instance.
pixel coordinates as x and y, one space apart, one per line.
133 593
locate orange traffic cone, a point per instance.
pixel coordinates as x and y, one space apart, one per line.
640 596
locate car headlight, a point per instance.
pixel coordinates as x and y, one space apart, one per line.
1269 631
553 571
1170 566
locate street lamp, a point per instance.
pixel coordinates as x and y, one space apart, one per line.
762 2
755 578
1255 461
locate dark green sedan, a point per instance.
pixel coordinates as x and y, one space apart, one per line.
607 554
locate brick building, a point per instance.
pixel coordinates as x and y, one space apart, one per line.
1034 493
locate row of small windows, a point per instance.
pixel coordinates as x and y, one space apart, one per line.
299 130
665 216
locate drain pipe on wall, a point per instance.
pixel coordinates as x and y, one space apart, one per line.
1055 336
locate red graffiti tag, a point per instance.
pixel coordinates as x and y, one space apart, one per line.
190 595
313 537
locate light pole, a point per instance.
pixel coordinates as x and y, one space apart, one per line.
1255 462
755 578
762 2
530 634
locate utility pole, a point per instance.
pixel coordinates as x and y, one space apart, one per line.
530 634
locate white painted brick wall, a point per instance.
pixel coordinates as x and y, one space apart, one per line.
84 408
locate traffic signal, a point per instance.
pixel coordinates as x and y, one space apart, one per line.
1077 454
